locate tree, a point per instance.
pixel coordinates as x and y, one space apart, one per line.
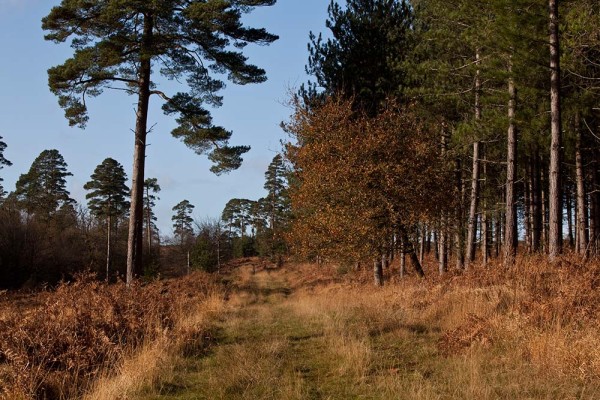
367 35
151 188
182 221
556 211
42 190
276 205
3 162
118 43
353 191
107 198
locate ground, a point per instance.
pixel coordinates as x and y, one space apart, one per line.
286 335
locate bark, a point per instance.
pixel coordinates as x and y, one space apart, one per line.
569 204
472 227
485 231
135 239
536 209
422 244
555 198
378 272
402 258
582 238
510 231
409 249
544 208
108 249
458 219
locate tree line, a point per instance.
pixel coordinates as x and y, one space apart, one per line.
469 128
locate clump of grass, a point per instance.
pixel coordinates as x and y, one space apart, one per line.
85 329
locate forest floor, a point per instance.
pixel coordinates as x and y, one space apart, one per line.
299 333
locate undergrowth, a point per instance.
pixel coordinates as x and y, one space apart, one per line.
84 329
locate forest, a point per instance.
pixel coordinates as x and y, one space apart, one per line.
449 152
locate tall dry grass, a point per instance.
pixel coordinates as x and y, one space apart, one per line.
86 329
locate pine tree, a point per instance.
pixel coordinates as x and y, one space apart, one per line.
107 198
151 188
3 162
182 221
364 58
121 42
42 190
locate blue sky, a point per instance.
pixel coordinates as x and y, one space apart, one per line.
31 120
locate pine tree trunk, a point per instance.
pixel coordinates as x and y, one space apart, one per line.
555 198
472 227
485 231
134 241
569 204
458 219
544 208
582 239
108 249
402 257
527 211
510 234
536 209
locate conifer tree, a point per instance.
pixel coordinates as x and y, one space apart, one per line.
42 190
3 162
107 198
124 44
151 188
182 221
364 58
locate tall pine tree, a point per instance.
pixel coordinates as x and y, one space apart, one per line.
120 43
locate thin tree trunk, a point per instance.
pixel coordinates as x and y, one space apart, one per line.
108 249
527 210
409 248
378 272
472 227
536 209
485 228
134 241
569 201
582 239
555 198
403 257
422 244
544 207
458 219
510 234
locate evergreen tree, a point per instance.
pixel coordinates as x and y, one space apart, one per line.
42 190
276 205
3 162
364 58
121 42
182 221
151 188
107 198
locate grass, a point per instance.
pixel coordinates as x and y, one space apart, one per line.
296 334
304 332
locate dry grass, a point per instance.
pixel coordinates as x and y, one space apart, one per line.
86 329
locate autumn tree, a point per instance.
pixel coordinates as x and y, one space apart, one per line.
126 44
354 190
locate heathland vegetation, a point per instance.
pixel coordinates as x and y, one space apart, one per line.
461 136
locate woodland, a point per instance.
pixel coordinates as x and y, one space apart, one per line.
441 147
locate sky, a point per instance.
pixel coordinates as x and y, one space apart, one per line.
31 120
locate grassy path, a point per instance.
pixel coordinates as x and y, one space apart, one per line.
281 340
274 344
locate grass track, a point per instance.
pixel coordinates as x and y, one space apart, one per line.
280 341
